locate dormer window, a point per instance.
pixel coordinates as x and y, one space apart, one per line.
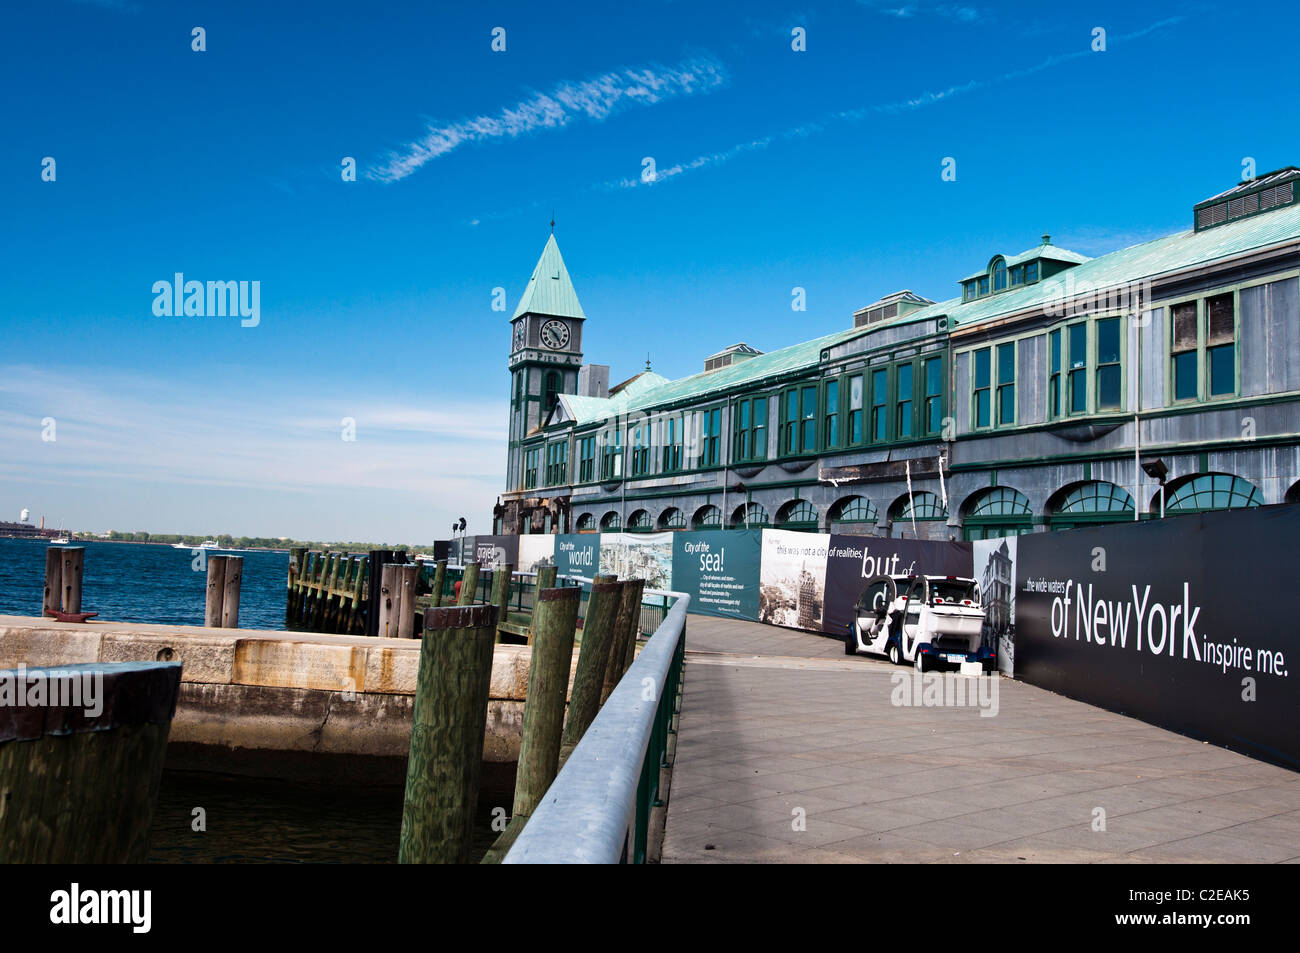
999 275
984 286
1017 276
1031 272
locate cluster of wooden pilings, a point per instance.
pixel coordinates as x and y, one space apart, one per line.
443 769
327 592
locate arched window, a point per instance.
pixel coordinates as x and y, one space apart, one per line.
1293 494
1088 503
611 522
854 509
707 517
1208 491
749 516
998 511
552 391
923 505
640 522
797 514
672 518
586 523
999 271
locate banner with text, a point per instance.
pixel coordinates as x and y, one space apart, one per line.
647 556
1185 622
852 560
719 570
577 554
495 551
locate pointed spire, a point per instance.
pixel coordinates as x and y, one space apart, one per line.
647 360
550 290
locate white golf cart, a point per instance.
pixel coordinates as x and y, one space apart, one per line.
929 621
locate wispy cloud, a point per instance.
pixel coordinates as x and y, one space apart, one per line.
945 11
594 99
921 100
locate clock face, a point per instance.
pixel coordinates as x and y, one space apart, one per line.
555 334
519 335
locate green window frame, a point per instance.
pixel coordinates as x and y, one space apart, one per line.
880 405
532 458
1077 364
981 396
586 459
639 449
710 433
1212 491
1184 350
855 393
749 424
1000 275
1054 374
903 400
1031 272
797 514
672 443
800 420
611 456
1109 375
1006 384
557 463
932 375
1221 345
854 509
831 428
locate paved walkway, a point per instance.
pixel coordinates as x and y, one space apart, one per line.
779 724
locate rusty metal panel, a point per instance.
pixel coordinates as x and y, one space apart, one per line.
1031 383
1154 348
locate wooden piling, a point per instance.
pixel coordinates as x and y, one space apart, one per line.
296 556
439 580
448 726
546 577
74 562
77 788
356 623
216 591
624 633
501 579
629 648
468 583
548 685
230 596
53 598
593 658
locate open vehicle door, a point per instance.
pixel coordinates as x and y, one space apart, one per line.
914 599
872 617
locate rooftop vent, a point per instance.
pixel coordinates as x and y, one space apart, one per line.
732 355
1260 194
889 307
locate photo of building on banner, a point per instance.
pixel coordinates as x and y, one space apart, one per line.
792 579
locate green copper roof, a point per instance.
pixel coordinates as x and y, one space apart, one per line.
549 290
1046 250
1148 260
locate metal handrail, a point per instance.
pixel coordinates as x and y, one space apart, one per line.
598 805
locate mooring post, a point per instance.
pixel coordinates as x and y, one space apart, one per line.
439 580
593 658
390 601
548 686
216 591
624 632
449 722
230 596
78 789
546 576
53 598
629 649
501 577
296 556
408 576
548 683
74 562
356 617
468 583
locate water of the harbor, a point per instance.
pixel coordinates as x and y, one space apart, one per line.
260 821
145 582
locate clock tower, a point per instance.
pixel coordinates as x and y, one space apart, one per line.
545 350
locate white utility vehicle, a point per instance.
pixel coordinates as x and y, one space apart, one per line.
925 620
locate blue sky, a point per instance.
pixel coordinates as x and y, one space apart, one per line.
777 169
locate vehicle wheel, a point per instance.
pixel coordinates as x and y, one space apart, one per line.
850 643
920 661
895 656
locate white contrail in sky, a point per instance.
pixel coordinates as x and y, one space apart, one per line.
594 99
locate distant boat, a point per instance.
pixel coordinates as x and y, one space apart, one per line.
61 540
206 544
